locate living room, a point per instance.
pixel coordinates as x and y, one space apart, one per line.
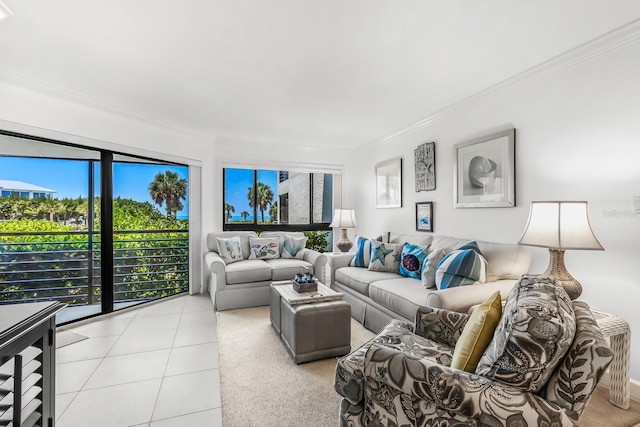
573 104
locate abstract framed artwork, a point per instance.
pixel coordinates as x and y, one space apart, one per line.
485 171
425 164
389 183
424 216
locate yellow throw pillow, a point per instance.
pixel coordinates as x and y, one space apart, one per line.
477 334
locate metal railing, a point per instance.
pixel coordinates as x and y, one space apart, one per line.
66 267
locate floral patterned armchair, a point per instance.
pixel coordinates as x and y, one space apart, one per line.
402 377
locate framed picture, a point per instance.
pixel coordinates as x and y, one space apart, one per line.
424 216
389 183
425 163
485 171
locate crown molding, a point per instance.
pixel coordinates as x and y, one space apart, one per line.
585 52
85 100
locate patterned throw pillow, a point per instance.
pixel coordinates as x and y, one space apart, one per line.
385 256
293 247
230 249
535 332
264 247
411 260
429 268
464 266
363 253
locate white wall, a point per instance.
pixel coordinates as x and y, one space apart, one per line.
577 138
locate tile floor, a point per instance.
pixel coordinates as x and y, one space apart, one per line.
153 366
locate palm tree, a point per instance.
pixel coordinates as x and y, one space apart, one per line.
244 215
264 198
273 212
168 188
228 210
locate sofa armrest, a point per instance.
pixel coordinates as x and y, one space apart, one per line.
318 260
338 260
439 325
457 392
462 298
217 272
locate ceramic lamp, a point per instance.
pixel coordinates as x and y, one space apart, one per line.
344 219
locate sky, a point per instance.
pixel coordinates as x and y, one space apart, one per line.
238 182
69 178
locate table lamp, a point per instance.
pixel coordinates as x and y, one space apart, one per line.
560 226
344 218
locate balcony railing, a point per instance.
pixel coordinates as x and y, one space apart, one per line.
65 266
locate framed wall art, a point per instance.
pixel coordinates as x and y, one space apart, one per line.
389 183
485 171
424 216
425 164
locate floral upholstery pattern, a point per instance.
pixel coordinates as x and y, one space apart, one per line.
395 380
572 384
532 337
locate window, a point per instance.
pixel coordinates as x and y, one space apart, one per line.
294 200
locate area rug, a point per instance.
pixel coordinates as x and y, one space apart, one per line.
64 338
262 386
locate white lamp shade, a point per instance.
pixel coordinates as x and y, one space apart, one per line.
559 225
344 218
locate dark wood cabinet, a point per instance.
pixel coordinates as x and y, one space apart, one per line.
27 364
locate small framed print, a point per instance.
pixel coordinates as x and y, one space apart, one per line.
424 216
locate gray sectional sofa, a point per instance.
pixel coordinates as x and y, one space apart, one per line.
378 297
246 283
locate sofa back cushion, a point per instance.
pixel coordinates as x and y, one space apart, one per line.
414 239
577 376
534 333
212 242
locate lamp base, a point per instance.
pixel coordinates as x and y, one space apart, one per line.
344 244
557 270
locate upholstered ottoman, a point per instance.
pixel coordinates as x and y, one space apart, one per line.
311 331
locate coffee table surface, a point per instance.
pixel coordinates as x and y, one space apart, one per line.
324 293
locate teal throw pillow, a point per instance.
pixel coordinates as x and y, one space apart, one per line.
411 260
464 266
385 256
293 247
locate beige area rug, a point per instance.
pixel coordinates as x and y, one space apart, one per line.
262 386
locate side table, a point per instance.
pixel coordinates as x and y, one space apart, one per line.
618 331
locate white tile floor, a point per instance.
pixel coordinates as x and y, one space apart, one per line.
153 366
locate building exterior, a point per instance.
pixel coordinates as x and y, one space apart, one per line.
304 195
24 190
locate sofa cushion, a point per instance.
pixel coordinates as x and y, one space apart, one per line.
286 269
464 266
248 271
385 256
264 247
293 247
415 239
229 249
359 279
412 259
534 334
402 295
429 268
505 261
477 334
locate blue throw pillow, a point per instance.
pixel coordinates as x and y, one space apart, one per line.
363 253
411 260
464 266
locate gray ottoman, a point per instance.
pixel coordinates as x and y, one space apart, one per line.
312 331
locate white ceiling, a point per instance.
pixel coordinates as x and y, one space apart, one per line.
314 72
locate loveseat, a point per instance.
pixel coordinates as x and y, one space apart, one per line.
377 297
240 276
541 361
